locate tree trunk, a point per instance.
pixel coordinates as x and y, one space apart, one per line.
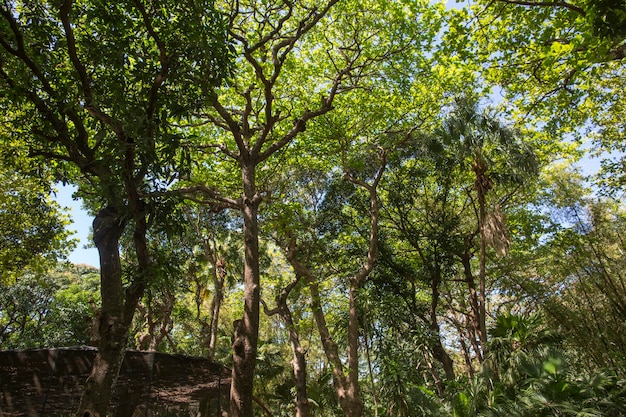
441 355
164 329
108 227
118 306
438 351
353 404
298 361
247 329
347 386
349 406
474 307
219 276
482 185
371 375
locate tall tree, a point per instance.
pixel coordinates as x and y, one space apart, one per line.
93 86
578 282
495 154
423 231
298 362
49 308
289 72
346 378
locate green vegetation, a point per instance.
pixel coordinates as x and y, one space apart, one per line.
326 197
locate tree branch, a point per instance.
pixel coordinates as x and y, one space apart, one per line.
164 60
188 192
233 126
531 3
90 106
370 262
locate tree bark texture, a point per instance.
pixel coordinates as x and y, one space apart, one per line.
298 361
246 334
349 405
118 305
353 404
108 227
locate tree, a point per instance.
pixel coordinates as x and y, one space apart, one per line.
581 286
32 226
495 154
49 308
298 353
346 378
196 259
217 255
103 116
422 233
561 64
264 110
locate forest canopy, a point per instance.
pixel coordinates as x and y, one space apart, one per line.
382 207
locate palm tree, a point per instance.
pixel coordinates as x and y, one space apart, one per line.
496 155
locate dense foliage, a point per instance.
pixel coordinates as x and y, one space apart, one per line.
363 208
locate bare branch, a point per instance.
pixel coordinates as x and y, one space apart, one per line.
266 309
245 117
279 55
214 196
71 47
221 147
232 125
289 43
276 30
564 85
300 123
531 3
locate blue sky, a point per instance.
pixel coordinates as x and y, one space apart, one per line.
81 226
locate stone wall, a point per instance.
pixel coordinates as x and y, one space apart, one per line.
48 382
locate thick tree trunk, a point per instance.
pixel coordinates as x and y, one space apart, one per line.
441 355
370 368
157 336
466 355
118 306
303 408
340 380
113 331
346 385
353 405
298 360
247 329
